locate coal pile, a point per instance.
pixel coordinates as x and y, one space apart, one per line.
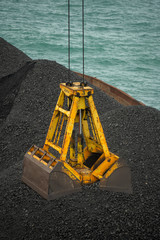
11 58
131 132
14 65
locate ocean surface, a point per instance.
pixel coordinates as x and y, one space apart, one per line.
122 39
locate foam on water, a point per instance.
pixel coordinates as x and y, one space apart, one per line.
122 39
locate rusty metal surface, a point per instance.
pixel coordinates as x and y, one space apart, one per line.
119 180
60 184
117 94
49 183
36 175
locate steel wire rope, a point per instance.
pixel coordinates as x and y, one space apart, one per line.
69 81
83 35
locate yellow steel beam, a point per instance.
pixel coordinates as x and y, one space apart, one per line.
112 169
72 149
73 171
60 130
81 103
99 160
85 128
93 146
57 128
86 153
62 110
92 127
57 148
104 166
53 123
69 128
98 126
76 88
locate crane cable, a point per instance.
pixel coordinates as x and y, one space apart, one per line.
69 81
69 62
83 35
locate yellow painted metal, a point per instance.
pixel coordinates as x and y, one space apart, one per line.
98 162
57 128
85 128
86 176
76 89
104 166
69 128
74 166
53 122
96 133
72 159
92 127
57 148
73 171
81 103
93 146
41 156
80 157
60 130
98 126
112 169
62 110
86 153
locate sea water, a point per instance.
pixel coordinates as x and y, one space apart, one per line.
122 39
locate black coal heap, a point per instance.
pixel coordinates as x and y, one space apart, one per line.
28 93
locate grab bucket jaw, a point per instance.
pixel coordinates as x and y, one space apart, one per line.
50 182
117 178
53 177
